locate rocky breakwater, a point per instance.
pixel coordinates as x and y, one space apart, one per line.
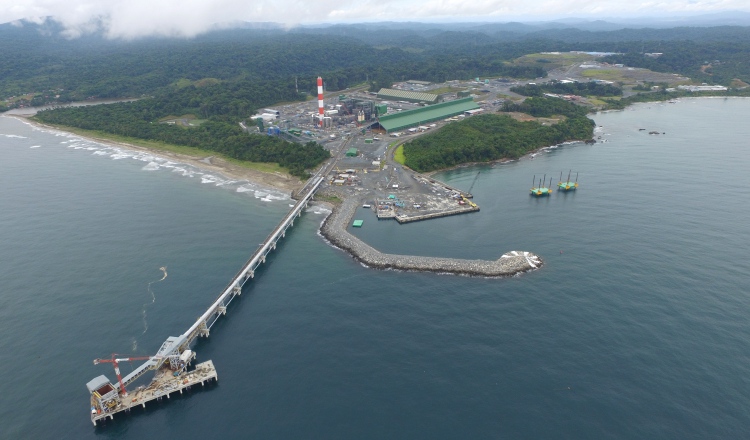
334 229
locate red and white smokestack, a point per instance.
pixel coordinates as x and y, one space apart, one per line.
321 109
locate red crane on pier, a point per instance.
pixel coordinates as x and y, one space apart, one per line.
114 360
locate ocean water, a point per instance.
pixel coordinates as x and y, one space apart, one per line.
636 327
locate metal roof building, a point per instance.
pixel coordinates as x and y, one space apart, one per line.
413 118
405 95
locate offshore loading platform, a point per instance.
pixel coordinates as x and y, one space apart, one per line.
173 358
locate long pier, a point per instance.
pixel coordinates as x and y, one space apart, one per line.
202 325
169 353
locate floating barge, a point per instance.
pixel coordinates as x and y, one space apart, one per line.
106 401
541 190
567 185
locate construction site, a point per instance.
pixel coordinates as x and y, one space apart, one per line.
362 128
108 399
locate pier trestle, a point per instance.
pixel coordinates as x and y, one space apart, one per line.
175 346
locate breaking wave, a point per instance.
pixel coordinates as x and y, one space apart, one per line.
153 162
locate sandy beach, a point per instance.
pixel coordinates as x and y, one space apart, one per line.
215 164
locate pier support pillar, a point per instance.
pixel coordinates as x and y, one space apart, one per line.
273 246
237 290
222 310
263 259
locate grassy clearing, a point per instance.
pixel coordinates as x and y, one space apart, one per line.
550 121
264 167
606 74
398 155
549 61
328 198
504 96
184 121
593 100
178 149
523 117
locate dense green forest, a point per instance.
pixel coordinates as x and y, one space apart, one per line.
37 59
133 69
490 137
543 107
217 135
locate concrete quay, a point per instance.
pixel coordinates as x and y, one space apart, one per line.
405 218
334 229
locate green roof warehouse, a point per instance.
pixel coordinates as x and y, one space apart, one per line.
419 116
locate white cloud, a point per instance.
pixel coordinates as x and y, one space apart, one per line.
135 18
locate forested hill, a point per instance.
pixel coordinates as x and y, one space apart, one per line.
92 66
491 137
38 58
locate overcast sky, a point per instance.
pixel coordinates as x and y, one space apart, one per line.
134 18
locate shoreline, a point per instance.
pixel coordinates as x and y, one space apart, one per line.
213 163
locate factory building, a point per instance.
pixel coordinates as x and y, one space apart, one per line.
420 116
266 117
405 95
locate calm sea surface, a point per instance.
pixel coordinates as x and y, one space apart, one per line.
636 328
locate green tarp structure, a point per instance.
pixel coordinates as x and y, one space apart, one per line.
352 152
406 95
